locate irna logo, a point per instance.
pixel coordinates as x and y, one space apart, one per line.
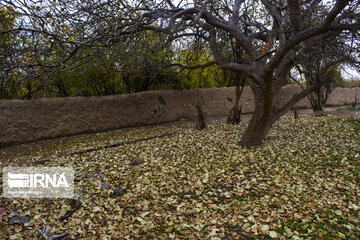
19 180
38 182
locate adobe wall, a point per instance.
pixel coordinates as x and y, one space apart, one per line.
31 120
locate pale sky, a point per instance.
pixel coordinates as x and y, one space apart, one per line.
350 74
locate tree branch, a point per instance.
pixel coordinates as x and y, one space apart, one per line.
183 67
296 98
306 34
235 15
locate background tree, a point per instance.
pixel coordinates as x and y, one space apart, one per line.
321 65
273 35
8 84
326 77
141 62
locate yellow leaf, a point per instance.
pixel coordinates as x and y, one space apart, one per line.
272 234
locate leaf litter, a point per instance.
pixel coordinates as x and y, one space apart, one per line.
303 183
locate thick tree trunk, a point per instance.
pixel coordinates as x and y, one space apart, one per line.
261 120
317 100
266 112
255 132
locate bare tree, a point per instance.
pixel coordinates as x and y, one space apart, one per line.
322 66
53 36
326 77
272 41
273 35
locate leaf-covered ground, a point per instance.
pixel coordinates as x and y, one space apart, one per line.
304 183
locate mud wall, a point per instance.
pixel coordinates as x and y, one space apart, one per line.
32 120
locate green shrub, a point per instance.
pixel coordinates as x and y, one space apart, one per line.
349 84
